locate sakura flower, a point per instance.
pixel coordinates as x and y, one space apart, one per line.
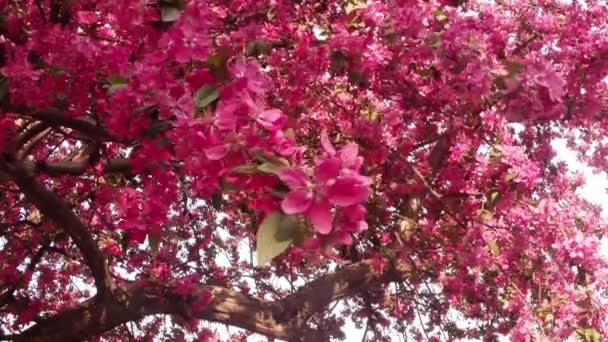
545 76
336 183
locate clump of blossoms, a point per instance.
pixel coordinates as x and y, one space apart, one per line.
336 184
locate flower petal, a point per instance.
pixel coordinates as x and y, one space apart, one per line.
319 215
347 191
216 152
328 169
354 212
343 238
348 154
270 119
297 201
326 144
294 178
226 118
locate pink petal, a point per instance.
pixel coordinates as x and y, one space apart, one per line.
326 144
227 122
363 226
298 201
348 154
86 17
313 243
294 178
319 215
343 238
226 118
354 212
199 78
269 117
347 191
328 169
216 152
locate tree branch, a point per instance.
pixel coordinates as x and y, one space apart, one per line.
28 133
76 168
57 210
285 319
317 295
28 147
54 117
7 296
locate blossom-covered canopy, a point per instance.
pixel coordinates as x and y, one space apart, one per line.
286 167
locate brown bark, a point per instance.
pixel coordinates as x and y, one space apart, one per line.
75 168
54 117
29 131
285 319
29 146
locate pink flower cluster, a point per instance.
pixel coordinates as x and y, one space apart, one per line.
337 184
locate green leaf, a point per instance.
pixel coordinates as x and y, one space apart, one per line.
433 41
116 79
35 216
440 15
514 68
303 232
169 14
287 228
257 47
494 197
485 214
217 66
370 115
270 167
290 133
274 236
115 82
588 334
227 186
494 248
271 164
114 87
275 160
246 169
353 5
206 95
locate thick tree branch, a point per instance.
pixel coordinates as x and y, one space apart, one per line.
285 319
317 295
75 168
83 125
64 218
54 117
